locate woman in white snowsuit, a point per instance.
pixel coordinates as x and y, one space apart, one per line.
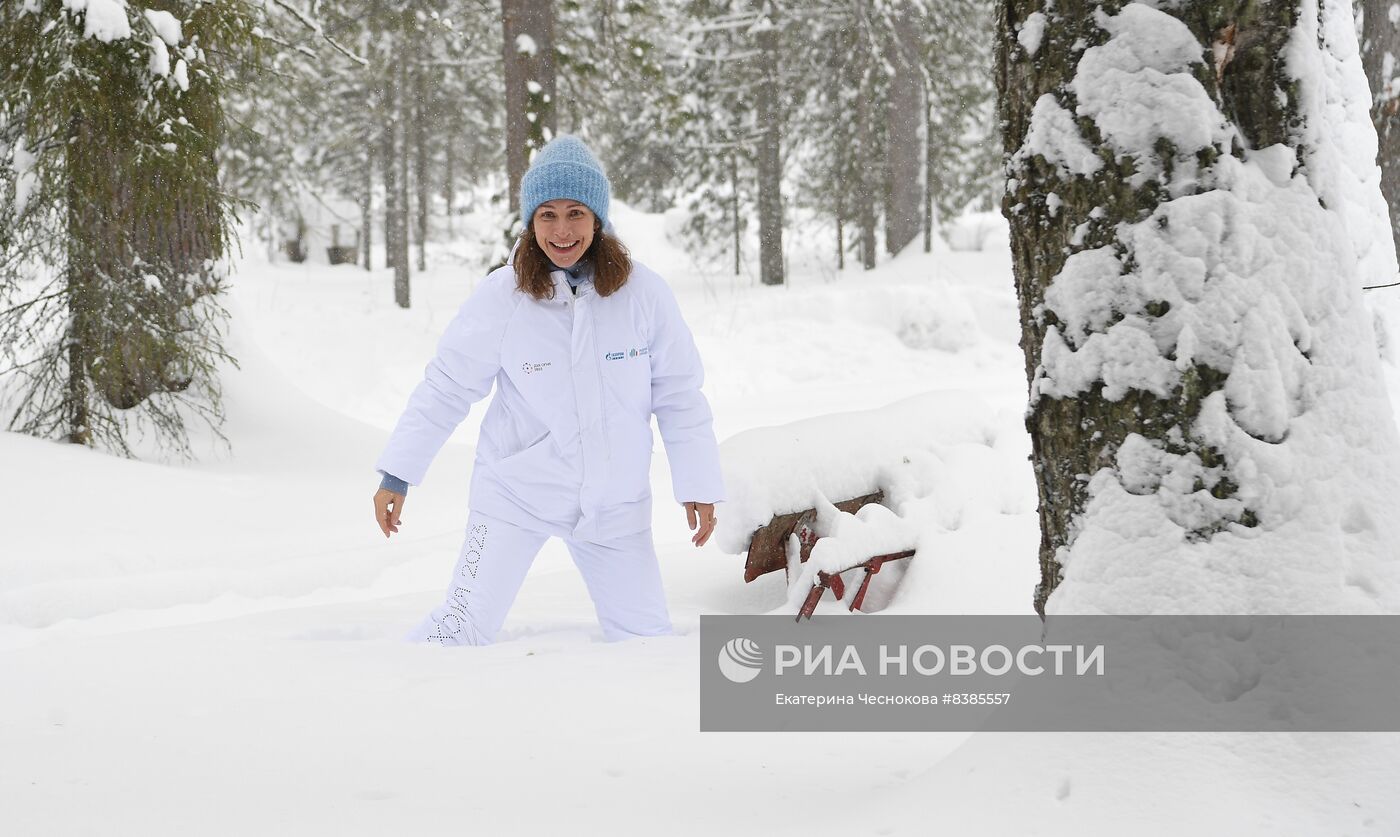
583 345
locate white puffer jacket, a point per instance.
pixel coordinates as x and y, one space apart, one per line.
566 443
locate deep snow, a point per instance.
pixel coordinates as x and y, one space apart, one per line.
214 648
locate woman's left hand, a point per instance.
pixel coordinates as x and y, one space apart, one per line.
706 514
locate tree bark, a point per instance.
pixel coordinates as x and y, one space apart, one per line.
403 112
840 243
528 53
1380 56
866 189
388 166
1115 214
367 207
131 245
903 118
866 155
734 210
449 174
928 185
841 167
75 399
770 170
424 114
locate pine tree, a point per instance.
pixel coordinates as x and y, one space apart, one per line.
851 119
829 156
407 81
738 74
613 89
900 123
963 149
115 229
714 144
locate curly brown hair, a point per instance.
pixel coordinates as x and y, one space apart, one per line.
612 264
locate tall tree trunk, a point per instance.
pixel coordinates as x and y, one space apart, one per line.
123 234
528 52
75 399
449 174
866 154
840 243
402 118
903 118
424 114
928 170
867 175
770 169
1177 379
388 166
131 245
734 211
367 206
1380 55
842 164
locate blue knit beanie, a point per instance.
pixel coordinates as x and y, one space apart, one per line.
565 168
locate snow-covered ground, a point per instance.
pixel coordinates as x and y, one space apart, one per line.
215 648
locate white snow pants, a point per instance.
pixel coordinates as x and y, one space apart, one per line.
622 577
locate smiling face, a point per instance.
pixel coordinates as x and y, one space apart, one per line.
564 230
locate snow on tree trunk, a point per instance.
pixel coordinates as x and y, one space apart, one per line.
1194 206
528 26
1380 52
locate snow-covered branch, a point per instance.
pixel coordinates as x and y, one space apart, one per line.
309 21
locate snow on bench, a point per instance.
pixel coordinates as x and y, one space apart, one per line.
824 495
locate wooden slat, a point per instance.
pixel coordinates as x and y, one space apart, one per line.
768 546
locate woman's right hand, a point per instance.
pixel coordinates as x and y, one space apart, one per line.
387 508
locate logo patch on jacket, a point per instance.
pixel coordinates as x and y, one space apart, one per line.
527 368
640 351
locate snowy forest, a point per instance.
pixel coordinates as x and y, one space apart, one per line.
1029 308
409 125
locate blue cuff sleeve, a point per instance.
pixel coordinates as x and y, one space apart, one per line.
393 483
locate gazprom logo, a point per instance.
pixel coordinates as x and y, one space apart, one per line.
740 660
640 351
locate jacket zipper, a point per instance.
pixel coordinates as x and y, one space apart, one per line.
602 392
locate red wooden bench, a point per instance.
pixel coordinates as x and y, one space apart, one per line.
768 551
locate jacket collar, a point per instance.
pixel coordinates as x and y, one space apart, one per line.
562 288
